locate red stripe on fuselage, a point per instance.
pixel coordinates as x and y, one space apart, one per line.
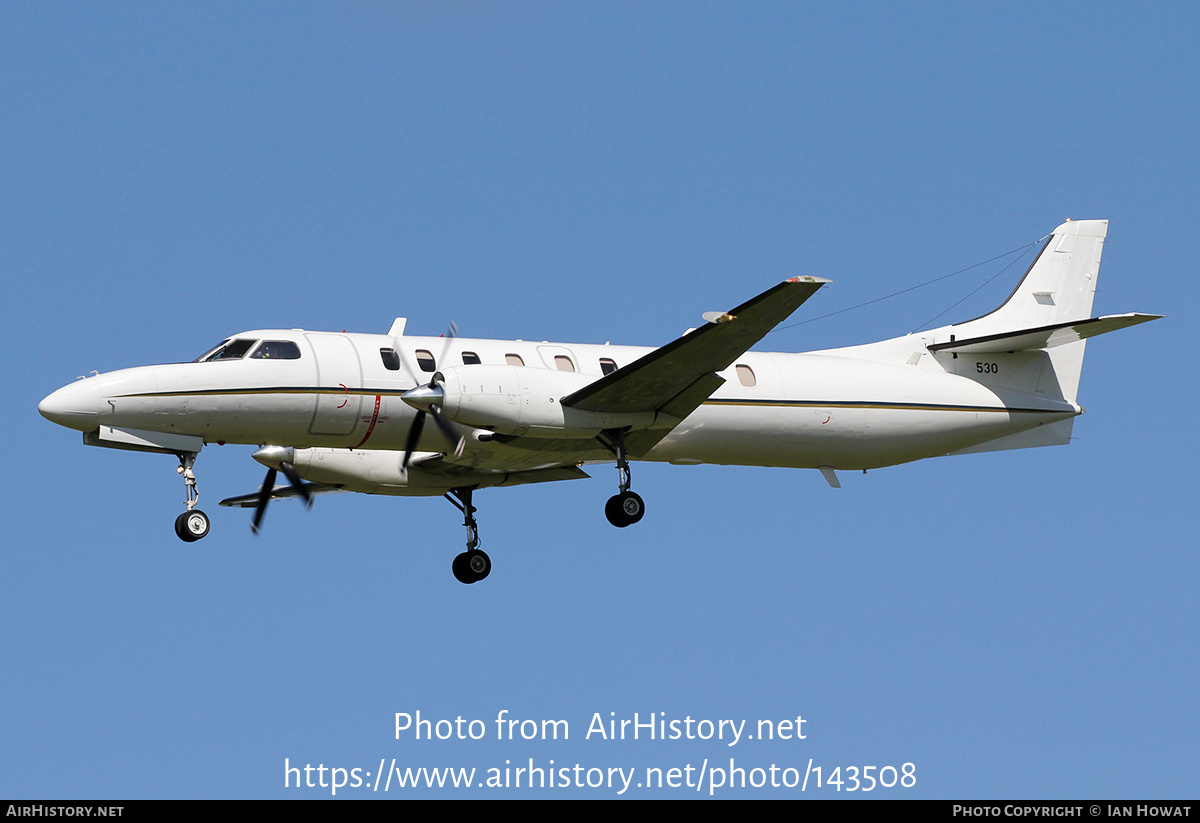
374 418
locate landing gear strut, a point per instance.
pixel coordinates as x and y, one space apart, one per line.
624 508
472 565
193 523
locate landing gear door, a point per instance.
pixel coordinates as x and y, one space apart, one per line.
339 381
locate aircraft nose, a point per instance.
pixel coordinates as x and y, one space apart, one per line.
76 405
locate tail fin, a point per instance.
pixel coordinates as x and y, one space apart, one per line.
1058 288
1056 292
1047 317
1033 344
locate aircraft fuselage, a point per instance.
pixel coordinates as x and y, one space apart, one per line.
802 411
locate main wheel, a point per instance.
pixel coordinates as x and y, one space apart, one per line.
624 509
461 572
633 507
471 567
612 510
479 564
191 526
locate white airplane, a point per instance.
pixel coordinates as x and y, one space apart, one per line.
347 412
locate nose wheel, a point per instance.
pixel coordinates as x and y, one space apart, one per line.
193 523
191 526
472 565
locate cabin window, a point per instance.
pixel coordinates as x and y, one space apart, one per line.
514 360
425 360
276 350
607 366
391 360
470 358
746 376
229 350
563 363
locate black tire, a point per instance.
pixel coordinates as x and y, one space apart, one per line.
191 526
462 572
614 513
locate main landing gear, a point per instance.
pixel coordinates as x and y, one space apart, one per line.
193 523
624 508
472 565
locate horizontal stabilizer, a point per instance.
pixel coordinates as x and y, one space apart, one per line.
1045 337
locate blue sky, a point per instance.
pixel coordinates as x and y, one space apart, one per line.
1017 624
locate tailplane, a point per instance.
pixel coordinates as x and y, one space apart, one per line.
1049 313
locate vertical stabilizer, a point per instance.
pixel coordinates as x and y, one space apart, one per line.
1058 287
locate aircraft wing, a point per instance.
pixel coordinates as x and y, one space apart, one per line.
682 374
550 470
282 492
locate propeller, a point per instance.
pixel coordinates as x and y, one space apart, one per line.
417 374
275 458
428 400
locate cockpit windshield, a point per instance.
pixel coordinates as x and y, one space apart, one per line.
236 349
227 350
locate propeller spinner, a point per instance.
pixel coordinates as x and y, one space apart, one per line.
428 400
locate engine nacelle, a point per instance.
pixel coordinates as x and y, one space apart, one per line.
519 400
375 471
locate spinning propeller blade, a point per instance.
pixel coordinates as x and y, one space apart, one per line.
273 456
264 496
414 436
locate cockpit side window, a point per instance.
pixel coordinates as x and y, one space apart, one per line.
229 350
211 351
276 350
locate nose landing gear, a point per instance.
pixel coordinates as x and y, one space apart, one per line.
193 523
